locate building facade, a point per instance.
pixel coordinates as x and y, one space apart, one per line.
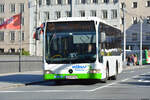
10 39
107 10
137 16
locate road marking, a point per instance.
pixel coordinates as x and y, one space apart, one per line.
132 71
145 81
125 80
103 86
129 72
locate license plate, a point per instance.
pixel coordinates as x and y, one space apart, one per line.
71 77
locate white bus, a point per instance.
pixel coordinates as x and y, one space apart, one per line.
81 48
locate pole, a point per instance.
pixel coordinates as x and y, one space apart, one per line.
124 35
20 43
36 17
71 8
140 42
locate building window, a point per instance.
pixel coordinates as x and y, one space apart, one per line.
21 36
134 20
134 36
48 2
40 3
82 13
46 15
12 8
1 21
148 19
147 35
122 20
1 36
105 1
59 2
115 1
95 1
148 3
68 1
22 20
68 13
22 7
104 14
1 50
58 14
1 8
113 13
123 5
12 35
93 13
83 1
11 50
134 5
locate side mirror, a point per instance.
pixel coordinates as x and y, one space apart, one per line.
37 33
101 59
103 36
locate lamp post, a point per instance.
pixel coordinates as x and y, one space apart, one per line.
124 34
20 50
140 62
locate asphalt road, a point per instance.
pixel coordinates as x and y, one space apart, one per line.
131 84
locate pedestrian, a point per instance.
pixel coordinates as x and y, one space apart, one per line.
135 59
132 59
128 60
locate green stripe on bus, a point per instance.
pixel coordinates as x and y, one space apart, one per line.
79 76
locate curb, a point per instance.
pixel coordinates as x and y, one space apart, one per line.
11 86
22 84
134 67
4 74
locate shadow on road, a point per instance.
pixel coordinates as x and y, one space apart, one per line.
21 78
65 82
142 80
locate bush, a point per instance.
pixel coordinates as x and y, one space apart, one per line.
26 53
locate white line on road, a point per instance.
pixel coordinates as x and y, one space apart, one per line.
129 72
39 91
103 86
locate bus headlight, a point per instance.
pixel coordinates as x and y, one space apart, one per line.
48 72
94 71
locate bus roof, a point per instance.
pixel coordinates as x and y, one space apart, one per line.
64 19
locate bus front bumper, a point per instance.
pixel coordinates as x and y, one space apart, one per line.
73 76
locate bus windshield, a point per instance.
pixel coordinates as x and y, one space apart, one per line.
70 42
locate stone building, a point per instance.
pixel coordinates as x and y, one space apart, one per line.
10 39
136 10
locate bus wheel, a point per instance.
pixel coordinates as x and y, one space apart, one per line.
114 77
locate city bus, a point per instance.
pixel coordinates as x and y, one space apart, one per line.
81 48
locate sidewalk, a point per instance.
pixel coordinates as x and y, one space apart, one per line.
19 79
